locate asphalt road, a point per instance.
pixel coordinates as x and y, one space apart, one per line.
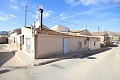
102 66
7 58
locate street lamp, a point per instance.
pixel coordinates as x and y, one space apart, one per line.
41 12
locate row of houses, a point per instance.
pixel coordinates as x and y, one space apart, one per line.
45 42
3 39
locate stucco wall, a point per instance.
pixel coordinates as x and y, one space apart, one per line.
85 32
48 45
28 35
74 43
91 43
3 39
13 39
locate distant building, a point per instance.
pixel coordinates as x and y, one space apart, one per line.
3 39
114 37
60 28
82 32
105 39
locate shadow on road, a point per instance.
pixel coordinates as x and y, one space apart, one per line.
83 54
57 66
5 56
4 71
11 68
91 58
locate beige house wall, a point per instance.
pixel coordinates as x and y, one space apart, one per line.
75 41
85 32
3 39
91 43
13 39
48 45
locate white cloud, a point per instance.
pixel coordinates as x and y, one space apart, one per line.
88 12
13 16
73 2
13 1
47 14
116 1
24 3
63 16
113 20
97 2
90 2
4 17
14 7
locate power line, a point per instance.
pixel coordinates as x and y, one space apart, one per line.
65 21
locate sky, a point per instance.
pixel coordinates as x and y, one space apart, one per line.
75 14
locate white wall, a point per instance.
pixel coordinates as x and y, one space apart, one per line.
28 35
60 28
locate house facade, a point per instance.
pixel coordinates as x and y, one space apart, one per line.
60 28
3 39
82 32
45 43
105 39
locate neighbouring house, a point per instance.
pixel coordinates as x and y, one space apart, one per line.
105 39
82 32
114 37
60 28
45 43
13 37
3 39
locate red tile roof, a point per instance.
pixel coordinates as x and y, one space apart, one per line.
50 32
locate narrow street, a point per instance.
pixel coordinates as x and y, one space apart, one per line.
7 58
102 66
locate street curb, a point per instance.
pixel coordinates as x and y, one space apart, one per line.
47 62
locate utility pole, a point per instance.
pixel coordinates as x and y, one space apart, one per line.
25 15
98 29
41 12
86 26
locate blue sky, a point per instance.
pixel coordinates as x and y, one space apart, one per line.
75 14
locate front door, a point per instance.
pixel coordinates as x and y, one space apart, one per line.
66 45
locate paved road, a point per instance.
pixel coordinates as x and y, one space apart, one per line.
7 58
102 66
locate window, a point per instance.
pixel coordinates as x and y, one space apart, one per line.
22 39
79 45
14 39
85 41
94 43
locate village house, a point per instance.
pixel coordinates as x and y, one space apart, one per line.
60 28
105 39
14 37
82 32
114 37
3 39
45 43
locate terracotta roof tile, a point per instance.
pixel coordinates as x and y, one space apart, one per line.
50 32
98 33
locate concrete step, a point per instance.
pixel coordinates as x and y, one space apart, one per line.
27 60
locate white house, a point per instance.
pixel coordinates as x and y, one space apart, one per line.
60 28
